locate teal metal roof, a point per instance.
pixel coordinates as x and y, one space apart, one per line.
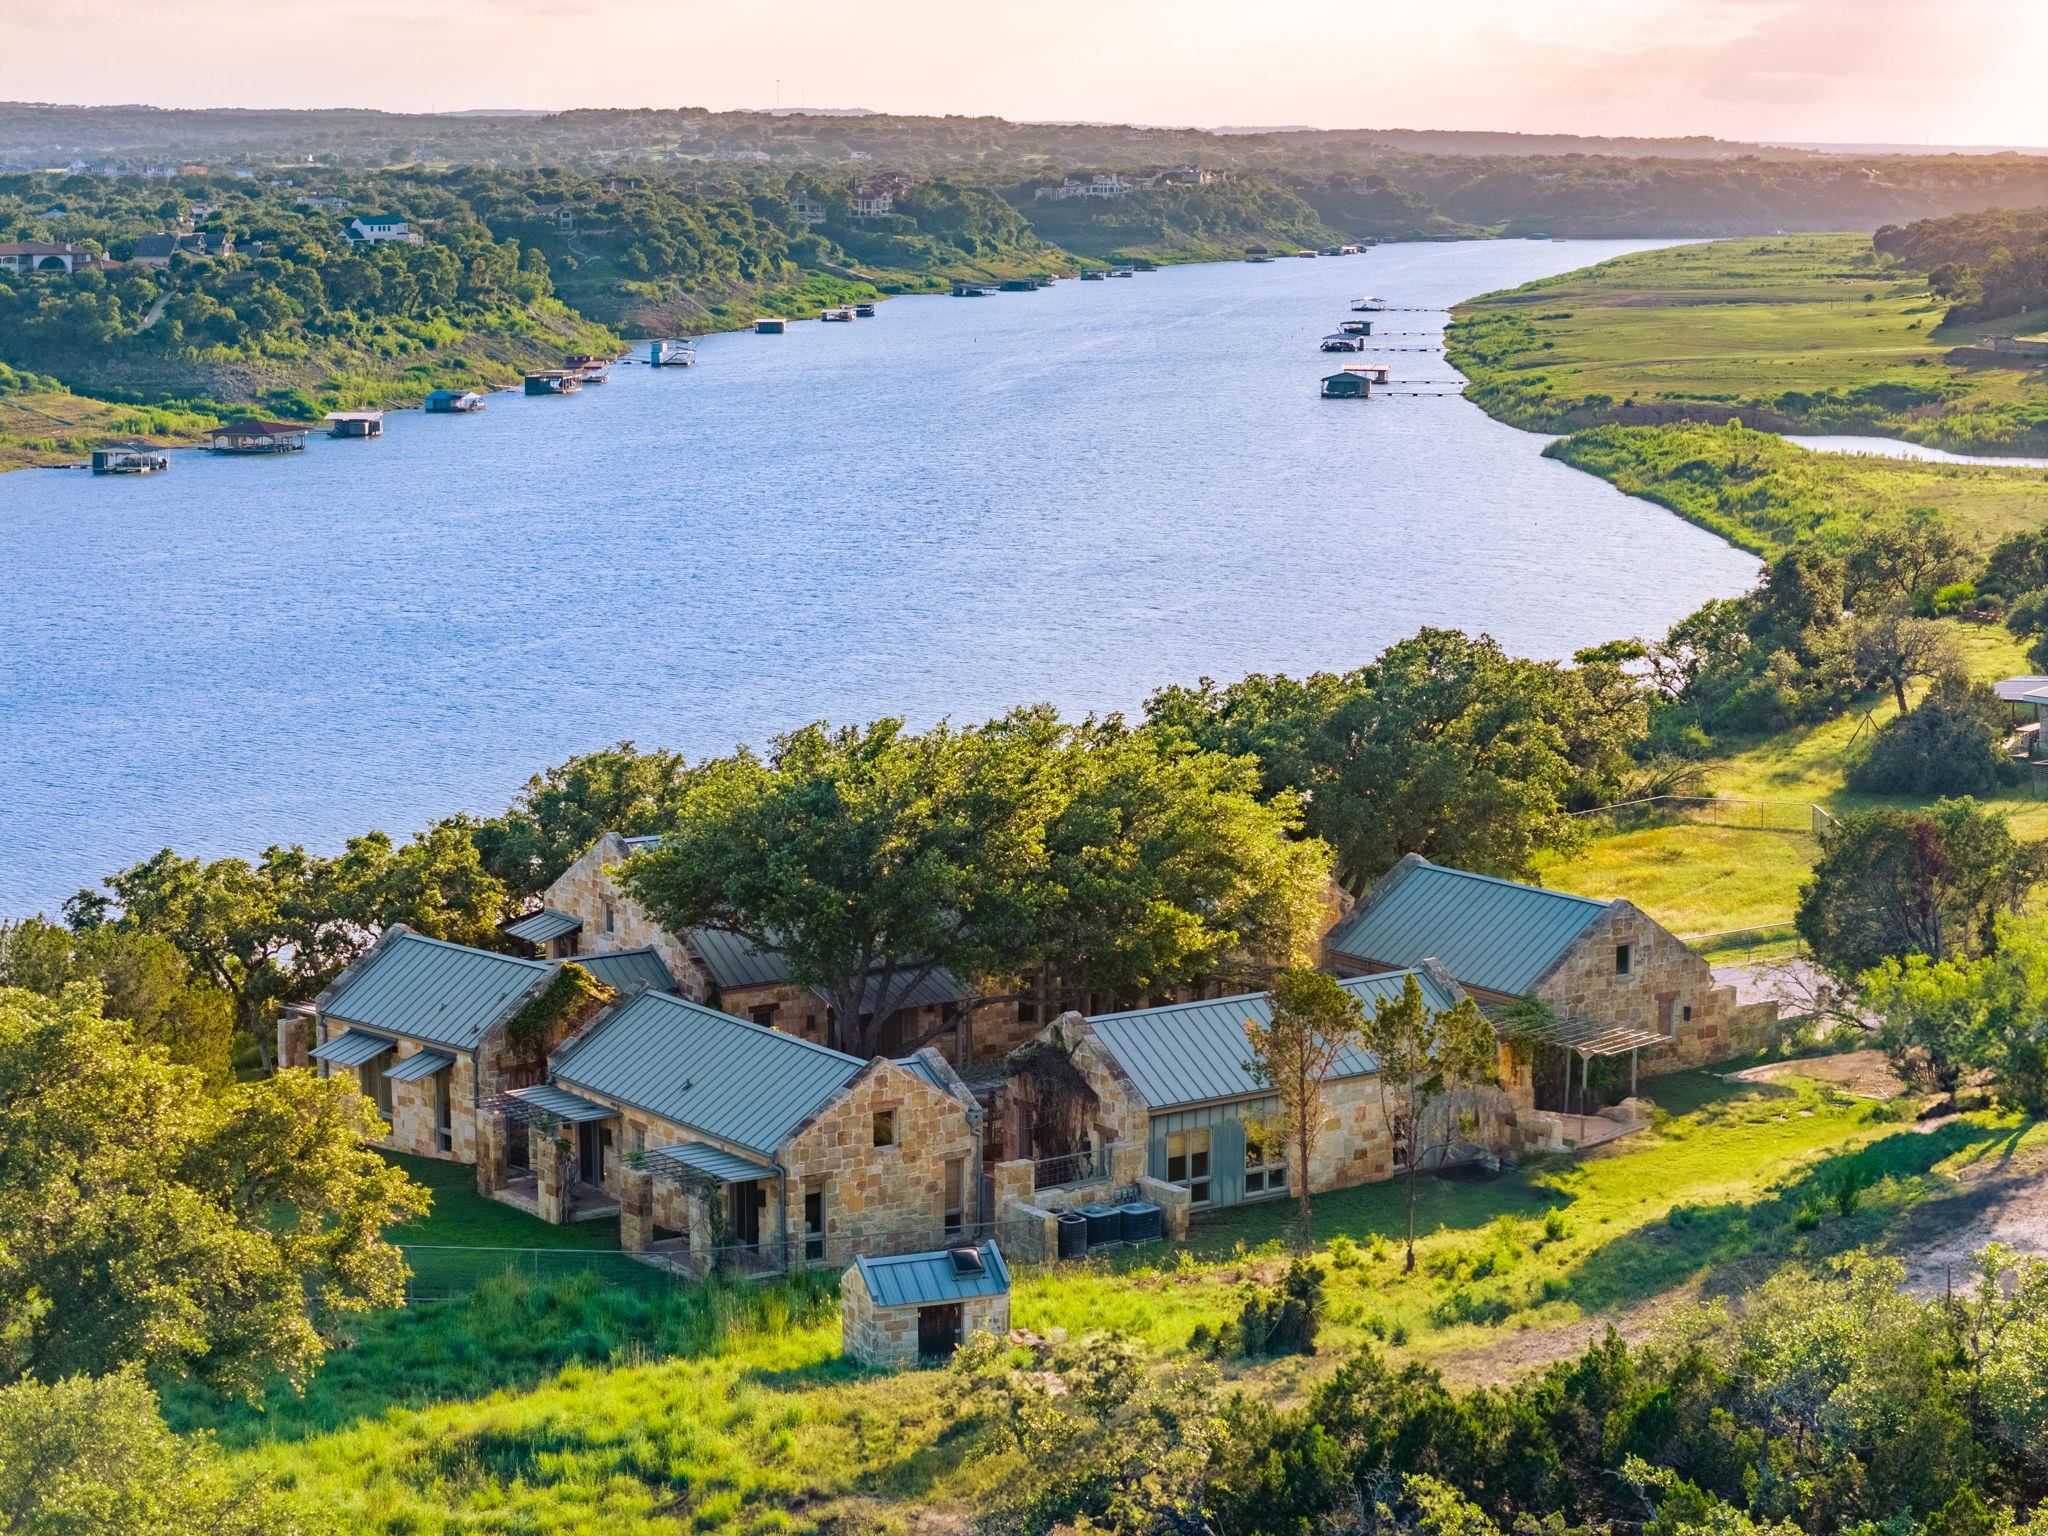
924 1069
1488 933
935 989
424 989
418 1065
563 1105
544 925
352 1047
1196 1053
714 1162
725 1077
733 962
629 970
931 1279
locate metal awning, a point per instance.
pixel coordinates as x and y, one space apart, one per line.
353 1047
1589 1037
418 1065
697 1158
546 924
545 1099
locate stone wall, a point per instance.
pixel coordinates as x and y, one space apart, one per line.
883 1199
582 889
1119 1115
887 1336
1665 983
412 1110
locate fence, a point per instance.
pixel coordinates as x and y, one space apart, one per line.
1733 811
1766 941
1068 1168
833 1251
444 1273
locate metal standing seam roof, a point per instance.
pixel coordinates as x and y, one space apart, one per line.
1196 1053
352 1047
419 1064
925 1070
2015 690
702 1157
425 989
734 962
548 923
1486 932
734 1080
563 1105
929 1279
624 970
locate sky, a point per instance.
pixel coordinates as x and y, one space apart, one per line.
1888 71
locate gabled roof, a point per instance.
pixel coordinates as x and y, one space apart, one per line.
731 960
629 970
380 220
425 989
2013 689
728 1078
1196 1053
1488 933
930 1279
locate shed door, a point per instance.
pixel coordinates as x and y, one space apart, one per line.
938 1330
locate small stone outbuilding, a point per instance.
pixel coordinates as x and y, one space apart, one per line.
915 1307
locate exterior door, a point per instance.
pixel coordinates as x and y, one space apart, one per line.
593 1143
747 1200
938 1330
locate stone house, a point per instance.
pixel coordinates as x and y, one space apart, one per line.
586 911
421 1025
1176 1083
898 1311
724 1139
1611 982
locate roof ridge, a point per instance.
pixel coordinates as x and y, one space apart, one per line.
1515 885
1239 997
722 1017
412 933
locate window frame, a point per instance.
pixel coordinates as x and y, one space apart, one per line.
1190 1175
1625 959
884 1128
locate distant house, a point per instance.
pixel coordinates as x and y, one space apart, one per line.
40 256
380 227
561 215
1612 980
157 250
916 1307
1110 186
877 195
323 204
2027 699
809 209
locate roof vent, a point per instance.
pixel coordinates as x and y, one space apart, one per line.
967 1261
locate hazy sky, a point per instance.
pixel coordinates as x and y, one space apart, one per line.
1941 71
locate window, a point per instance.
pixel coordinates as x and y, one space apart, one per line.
376 1086
1686 1011
1027 1012
814 1225
956 1183
611 918
1265 1160
1187 1163
567 945
1624 959
444 1119
885 1127
763 1015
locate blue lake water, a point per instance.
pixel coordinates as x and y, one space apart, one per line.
1073 495
1899 448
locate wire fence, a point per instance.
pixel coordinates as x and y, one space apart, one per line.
1764 941
1733 811
448 1272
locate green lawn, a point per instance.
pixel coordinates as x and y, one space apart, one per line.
578 1406
1816 331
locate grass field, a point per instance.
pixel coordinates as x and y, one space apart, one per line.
1698 876
1811 332
57 427
578 1406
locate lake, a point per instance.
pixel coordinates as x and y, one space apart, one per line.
1072 495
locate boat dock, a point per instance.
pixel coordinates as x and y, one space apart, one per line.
770 325
355 423
129 459
249 437
842 314
670 354
444 402
554 381
1342 341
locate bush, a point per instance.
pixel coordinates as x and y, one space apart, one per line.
1283 1320
1950 743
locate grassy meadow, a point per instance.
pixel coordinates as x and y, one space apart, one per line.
1813 333
577 1405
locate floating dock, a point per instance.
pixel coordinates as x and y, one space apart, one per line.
770 325
864 311
446 402
355 423
670 354
1343 342
131 460
842 314
248 437
554 381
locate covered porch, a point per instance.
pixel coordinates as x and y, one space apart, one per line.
1565 1091
548 1152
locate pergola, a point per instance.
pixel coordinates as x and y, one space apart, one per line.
1587 1038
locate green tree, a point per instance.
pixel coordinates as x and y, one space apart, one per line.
1891 648
1943 1019
145 1222
1425 1055
1951 743
1893 882
87 1455
1314 1021
564 810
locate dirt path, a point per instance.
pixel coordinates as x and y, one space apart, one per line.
1867 1074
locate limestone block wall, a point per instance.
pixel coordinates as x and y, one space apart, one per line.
1119 1115
883 1199
887 1336
1665 982
586 885
554 1165
1353 1144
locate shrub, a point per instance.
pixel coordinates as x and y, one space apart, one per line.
1556 1225
1950 743
1344 1253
